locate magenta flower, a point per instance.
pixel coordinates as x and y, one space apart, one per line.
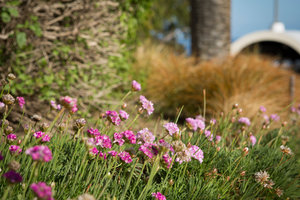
11 137
135 86
218 138
171 128
21 102
113 153
125 156
196 153
200 123
40 153
262 109
119 138
253 140
1 156
42 191
93 132
158 196
274 117
103 141
167 160
13 177
123 115
146 105
38 134
208 135
93 151
113 117
102 155
69 103
145 136
46 138
245 121
15 149
148 150
54 105
129 135
191 123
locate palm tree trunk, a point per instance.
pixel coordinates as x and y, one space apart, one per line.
210 28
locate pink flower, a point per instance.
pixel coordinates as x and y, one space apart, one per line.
146 105
253 140
113 117
2 105
42 191
15 149
103 141
102 155
213 121
191 123
93 151
163 143
69 103
171 128
262 109
158 196
274 117
218 138
113 153
208 135
145 136
40 153
11 137
21 102
93 132
123 115
129 135
196 153
54 105
38 134
245 121
125 156
167 160
148 150
136 86
200 123
119 138
46 138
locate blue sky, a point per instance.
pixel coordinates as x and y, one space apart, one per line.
252 15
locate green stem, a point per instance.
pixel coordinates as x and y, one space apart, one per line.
4 197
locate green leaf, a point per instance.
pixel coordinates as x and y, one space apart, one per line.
21 39
13 12
5 17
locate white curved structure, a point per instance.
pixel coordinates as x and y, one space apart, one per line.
288 38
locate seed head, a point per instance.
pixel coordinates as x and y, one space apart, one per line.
8 99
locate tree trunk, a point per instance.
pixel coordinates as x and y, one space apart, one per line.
210 28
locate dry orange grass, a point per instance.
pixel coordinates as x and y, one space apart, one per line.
251 81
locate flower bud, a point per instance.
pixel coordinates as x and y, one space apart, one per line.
243 173
171 182
246 151
79 123
3 82
235 106
218 148
14 165
36 118
240 111
8 130
44 126
11 77
8 99
284 124
124 106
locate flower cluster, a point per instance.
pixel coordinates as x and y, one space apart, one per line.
69 103
135 86
245 121
13 177
113 117
42 191
123 115
196 123
11 137
158 196
286 150
149 149
145 136
54 105
94 132
262 177
21 101
128 135
125 156
40 153
15 149
171 128
40 134
146 105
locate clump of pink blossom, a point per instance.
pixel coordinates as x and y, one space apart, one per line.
69 103
42 191
21 101
119 138
40 153
102 155
253 140
113 117
113 153
129 135
93 151
123 115
148 150
245 121
262 109
135 86
54 105
274 117
11 137
171 128
145 136
196 153
191 123
103 141
125 156
93 132
209 135
146 105
218 138
167 160
15 149
158 196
